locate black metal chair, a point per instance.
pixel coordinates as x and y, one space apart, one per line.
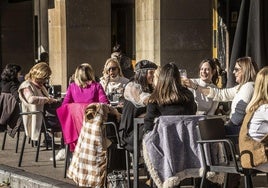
46 130
212 131
17 141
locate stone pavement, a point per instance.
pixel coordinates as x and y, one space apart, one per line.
41 174
31 173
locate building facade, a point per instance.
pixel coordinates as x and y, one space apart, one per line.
79 31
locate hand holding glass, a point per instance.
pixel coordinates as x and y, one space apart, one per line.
183 75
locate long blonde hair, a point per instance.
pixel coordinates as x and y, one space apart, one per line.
39 71
83 74
260 95
249 69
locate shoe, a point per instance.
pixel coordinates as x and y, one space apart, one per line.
60 155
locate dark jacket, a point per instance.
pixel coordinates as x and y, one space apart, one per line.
126 125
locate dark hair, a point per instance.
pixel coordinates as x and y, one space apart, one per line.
212 64
140 77
44 57
168 89
10 72
117 48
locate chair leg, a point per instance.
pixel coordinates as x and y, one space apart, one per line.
203 178
22 149
38 148
4 140
248 181
53 150
66 162
127 168
226 178
18 140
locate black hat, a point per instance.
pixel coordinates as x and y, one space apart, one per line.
145 64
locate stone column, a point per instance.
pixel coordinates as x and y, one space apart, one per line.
57 44
174 31
148 30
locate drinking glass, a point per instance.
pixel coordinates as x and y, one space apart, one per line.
183 73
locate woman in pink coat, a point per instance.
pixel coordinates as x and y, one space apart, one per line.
80 93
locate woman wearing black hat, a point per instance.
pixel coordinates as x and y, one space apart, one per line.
140 88
136 94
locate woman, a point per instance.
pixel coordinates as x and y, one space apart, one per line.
258 126
9 99
80 93
113 80
169 97
33 96
258 105
245 71
140 88
85 89
136 94
10 80
208 78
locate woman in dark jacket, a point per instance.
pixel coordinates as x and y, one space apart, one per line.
9 99
10 82
169 97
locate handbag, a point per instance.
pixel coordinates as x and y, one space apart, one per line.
117 179
252 152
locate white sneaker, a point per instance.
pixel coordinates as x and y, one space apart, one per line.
60 155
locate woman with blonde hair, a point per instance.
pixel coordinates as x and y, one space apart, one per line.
257 111
80 93
245 71
33 95
113 80
85 89
258 126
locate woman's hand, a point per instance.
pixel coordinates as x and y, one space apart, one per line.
188 83
51 100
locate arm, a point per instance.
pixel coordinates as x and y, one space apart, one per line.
14 90
216 94
241 100
134 93
151 114
101 94
29 96
213 108
68 97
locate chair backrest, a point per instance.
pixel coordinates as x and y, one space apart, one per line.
211 129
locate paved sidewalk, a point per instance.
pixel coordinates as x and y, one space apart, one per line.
40 173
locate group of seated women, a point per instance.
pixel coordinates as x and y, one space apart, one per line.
148 95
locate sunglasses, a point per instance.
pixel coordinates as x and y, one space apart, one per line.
112 68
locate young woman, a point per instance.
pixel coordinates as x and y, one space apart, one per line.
257 127
140 88
169 97
208 78
113 80
136 95
33 95
245 71
80 93
9 99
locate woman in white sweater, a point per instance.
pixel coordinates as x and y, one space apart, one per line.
245 71
258 125
208 77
